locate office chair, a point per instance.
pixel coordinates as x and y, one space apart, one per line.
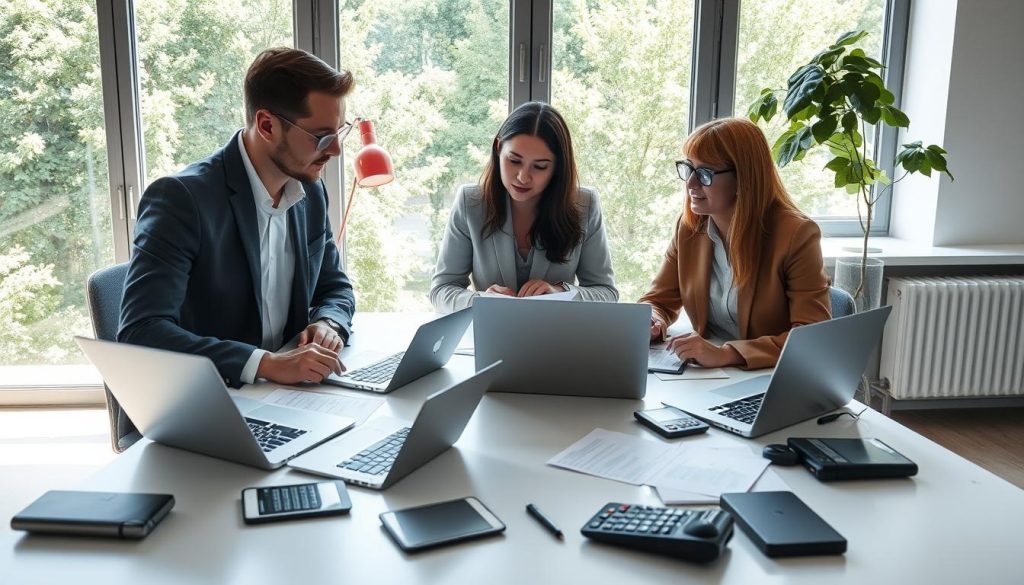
104 290
842 302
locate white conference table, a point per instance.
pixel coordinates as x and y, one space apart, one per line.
952 523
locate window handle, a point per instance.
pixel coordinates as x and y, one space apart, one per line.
131 202
542 64
522 62
120 202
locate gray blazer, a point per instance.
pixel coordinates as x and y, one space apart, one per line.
465 252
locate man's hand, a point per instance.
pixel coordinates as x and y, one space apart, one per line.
501 290
321 334
702 352
537 287
308 363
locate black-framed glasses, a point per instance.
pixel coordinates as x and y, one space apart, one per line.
704 175
324 141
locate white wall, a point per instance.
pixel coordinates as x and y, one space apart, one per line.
964 89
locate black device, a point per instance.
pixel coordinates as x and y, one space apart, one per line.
117 515
781 524
670 422
692 535
837 459
423 527
289 502
780 454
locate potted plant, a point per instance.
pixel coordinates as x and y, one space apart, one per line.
832 101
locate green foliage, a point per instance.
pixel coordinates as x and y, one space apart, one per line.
831 101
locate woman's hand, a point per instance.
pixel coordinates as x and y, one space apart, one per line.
536 287
702 352
501 290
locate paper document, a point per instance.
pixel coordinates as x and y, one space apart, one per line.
615 456
710 471
695 372
357 408
664 361
561 296
768 482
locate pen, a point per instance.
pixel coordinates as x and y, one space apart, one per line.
544 520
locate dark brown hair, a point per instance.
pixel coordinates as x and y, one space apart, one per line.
557 227
280 80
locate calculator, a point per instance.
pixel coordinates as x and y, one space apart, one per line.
670 422
692 535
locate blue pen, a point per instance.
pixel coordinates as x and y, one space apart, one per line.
544 520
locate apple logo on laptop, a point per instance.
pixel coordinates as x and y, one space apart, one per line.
437 345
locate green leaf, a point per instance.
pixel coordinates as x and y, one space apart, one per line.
937 161
886 97
799 73
849 121
871 115
769 107
850 38
894 117
806 137
799 95
837 164
824 128
786 148
804 114
827 57
935 148
840 180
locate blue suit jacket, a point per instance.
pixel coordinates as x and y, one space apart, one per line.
193 284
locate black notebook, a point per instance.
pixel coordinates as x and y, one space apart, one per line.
117 515
782 525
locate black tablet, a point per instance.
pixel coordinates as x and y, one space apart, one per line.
781 524
442 523
836 459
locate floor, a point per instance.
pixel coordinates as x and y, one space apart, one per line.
993 438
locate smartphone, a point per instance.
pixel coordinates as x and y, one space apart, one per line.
670 422
441 523
287 502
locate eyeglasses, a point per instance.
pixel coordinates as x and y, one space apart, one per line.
324 141
704 175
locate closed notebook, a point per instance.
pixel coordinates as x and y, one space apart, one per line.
116 515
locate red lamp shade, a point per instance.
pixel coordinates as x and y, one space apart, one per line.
372 163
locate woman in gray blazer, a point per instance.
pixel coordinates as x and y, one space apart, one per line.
527 229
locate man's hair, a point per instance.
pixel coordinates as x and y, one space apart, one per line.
280 80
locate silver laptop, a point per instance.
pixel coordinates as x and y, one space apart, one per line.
384 450
430 349
564 347
180 400
818 371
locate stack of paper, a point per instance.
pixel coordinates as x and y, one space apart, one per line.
695 472
340 404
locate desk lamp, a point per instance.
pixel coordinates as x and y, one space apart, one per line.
372 165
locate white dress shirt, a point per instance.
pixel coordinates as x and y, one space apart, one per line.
722 313
277 261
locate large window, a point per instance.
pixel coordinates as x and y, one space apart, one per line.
193 55
769 51
621 78
433 77
100 97
55 206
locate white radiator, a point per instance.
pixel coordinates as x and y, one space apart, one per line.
960 337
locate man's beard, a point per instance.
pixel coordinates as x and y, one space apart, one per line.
306 176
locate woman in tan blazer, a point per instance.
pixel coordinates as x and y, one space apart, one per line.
744 263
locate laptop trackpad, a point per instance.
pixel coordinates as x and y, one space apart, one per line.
744 388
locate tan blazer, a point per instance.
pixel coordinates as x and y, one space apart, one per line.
789 289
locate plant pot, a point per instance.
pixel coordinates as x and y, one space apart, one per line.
848 278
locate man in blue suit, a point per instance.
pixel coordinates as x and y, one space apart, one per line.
234 255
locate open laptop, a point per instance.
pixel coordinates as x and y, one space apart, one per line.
564 347
180 400
817 372
384 449
429 350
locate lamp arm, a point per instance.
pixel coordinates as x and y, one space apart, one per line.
348 208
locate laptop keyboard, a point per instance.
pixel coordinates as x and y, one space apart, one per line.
378 458
377 372
270 436
743 410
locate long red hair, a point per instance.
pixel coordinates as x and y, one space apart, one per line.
740 144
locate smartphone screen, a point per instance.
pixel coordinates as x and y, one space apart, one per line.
265 504
434 524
